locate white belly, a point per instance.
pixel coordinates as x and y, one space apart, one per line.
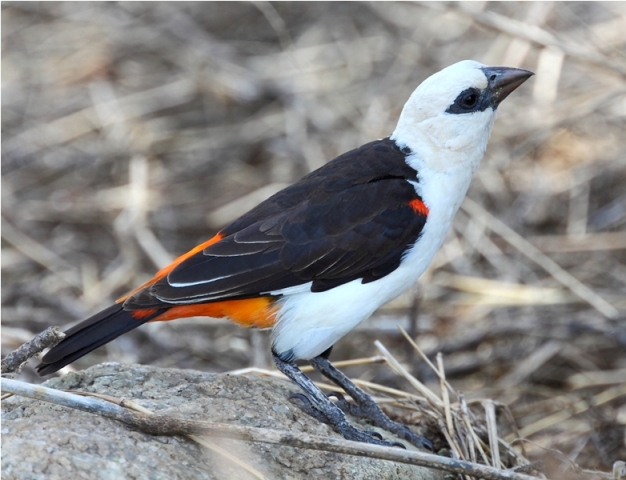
309 323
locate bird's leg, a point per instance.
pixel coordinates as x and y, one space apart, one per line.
319 406
365 406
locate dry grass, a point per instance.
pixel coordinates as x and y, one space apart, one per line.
133 131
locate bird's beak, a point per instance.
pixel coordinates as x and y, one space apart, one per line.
503 80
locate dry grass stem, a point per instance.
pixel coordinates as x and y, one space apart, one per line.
444 394
425 358
492 430
460 427
540 259
419 386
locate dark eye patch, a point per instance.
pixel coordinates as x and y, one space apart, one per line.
470 100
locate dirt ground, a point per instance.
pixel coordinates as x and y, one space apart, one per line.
133 131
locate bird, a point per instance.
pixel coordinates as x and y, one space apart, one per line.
317 258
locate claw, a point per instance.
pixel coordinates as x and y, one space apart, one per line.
302 397
337 395
375 434
427 444
417 440
398 444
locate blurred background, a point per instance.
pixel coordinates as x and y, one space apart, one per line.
133 131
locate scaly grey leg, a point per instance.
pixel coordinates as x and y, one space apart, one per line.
323 409
365 406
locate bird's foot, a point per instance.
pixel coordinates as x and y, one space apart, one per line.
368 409
348 431
364 405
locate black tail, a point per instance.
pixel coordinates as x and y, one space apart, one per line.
94 332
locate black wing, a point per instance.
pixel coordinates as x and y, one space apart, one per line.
353 218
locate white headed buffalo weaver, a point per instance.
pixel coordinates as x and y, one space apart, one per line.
317 258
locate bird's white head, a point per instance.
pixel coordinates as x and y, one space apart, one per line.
448 119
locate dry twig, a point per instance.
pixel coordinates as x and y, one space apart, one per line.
14 361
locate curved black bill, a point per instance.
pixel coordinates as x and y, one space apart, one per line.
503 80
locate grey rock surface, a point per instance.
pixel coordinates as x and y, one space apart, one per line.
45 441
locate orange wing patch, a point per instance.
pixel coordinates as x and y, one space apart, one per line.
419 207
257 312
164 271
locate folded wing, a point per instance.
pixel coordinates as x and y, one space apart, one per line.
352 220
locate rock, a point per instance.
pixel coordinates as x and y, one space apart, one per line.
45 441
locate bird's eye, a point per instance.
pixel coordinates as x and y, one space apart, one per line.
469 100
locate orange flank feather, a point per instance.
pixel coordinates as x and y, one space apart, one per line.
141 314
419 207
257 312
165 270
